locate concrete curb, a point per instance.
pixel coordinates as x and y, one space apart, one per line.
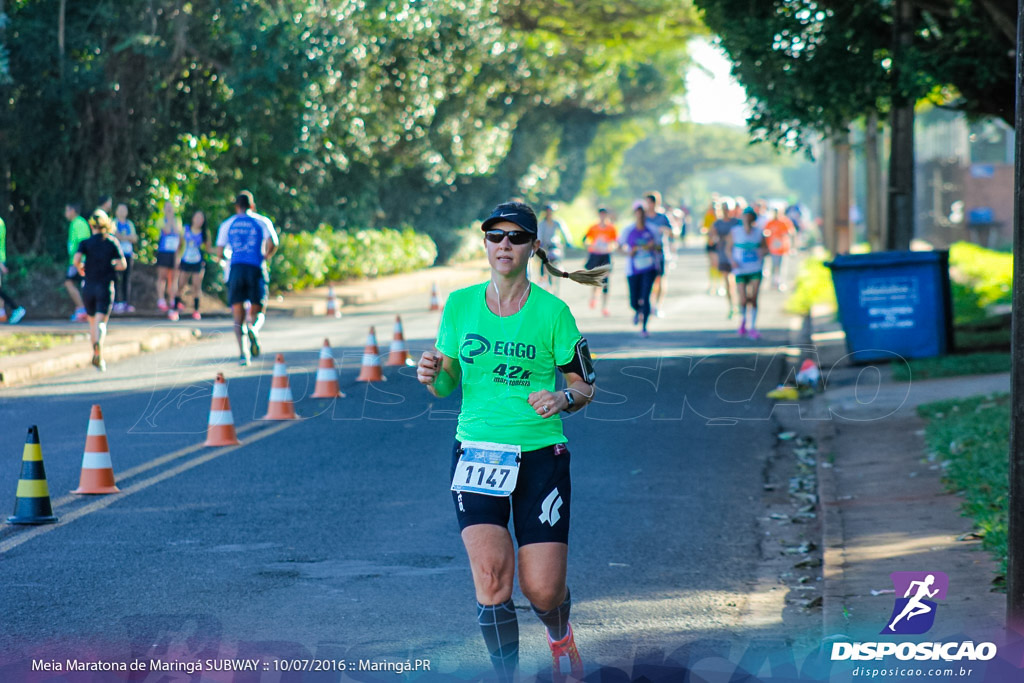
313 303
832 537
36 365
45 364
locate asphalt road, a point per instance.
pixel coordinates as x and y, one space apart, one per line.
334 537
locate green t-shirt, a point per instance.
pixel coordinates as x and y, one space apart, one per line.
78 230
3 241
503 361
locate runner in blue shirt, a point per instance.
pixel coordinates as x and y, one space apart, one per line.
193 262
252 240
657 220
127 237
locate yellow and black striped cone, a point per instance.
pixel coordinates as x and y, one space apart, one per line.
32 504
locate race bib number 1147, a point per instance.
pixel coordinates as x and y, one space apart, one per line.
487 468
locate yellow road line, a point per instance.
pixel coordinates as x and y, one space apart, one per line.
107 501
155 462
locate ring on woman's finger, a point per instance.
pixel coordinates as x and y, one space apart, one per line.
546 408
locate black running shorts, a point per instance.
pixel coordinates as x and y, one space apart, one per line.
186 267
245 283
165 259
597 260
540 505
97 298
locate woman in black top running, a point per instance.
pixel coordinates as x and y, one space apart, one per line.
102 258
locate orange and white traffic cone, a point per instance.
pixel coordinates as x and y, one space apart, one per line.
370 371
220 430
333 311
327 375
281 405
398 355
435 299
97 472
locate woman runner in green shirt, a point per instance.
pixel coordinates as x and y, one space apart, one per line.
504 341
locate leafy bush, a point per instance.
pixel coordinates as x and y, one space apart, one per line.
981 278
813 286
37 282
309 259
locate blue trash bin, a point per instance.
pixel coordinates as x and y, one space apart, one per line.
894 303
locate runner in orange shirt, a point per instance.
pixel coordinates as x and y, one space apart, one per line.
779 231
601 240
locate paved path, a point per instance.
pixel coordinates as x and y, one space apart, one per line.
333 536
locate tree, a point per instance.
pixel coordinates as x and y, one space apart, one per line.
815 66
667 158
370 112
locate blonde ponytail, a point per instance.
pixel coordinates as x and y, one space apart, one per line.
594 278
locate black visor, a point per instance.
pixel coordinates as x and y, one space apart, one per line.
513 212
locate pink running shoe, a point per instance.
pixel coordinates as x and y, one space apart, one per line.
161 304
754 334
197 316
172 316
743 329
565 659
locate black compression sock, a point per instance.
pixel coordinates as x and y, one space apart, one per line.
500 628
195 302
557 619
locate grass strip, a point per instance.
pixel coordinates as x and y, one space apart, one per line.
970 438
24 342
982 363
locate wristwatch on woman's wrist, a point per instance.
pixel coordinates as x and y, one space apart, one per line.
569 397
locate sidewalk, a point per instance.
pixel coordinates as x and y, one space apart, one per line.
884 506
135 334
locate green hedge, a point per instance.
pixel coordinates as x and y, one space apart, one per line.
310 259
981 278
813 286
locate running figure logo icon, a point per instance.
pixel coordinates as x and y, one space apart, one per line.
914 613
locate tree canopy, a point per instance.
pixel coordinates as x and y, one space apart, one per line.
817 65
350 112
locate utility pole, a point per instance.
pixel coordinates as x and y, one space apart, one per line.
1015 551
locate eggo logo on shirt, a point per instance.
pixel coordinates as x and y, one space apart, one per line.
474 345
515 350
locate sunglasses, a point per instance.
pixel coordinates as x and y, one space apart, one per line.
514 236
